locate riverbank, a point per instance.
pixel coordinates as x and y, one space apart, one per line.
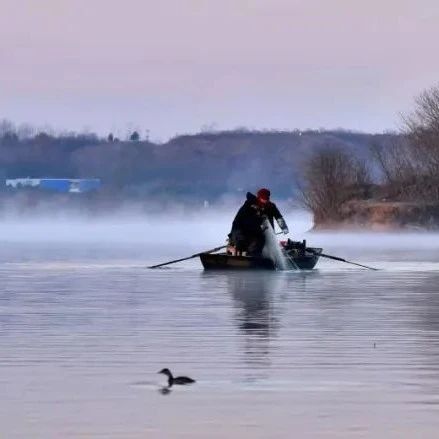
387 216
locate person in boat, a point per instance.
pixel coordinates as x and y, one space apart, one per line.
247 234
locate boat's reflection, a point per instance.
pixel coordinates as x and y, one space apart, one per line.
255 298
260 299
255 317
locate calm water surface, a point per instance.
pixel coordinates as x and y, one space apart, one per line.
337 352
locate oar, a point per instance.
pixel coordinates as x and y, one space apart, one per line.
336 258
189 257
193 256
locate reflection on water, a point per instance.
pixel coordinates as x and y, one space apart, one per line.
337 352
253 296
165 390
423 304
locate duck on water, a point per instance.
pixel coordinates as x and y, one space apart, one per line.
176 380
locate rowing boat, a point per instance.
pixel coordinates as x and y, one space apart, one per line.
302 258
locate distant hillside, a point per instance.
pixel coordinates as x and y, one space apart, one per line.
201 166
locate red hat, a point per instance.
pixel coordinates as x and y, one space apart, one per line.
263 194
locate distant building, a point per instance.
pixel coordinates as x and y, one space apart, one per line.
77 185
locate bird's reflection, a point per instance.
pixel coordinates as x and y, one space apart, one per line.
165 390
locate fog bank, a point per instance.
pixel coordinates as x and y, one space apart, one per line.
201 227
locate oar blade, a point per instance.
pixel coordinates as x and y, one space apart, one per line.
364 266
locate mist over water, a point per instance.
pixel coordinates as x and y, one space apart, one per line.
196 227
173 232
334 352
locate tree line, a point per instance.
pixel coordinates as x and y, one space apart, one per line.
206 165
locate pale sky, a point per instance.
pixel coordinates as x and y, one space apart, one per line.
173 66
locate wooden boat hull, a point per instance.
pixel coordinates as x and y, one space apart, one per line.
224 261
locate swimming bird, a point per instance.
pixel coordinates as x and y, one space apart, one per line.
176 380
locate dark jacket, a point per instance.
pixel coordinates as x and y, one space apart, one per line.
250 216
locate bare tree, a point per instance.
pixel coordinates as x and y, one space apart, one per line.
6 127
424 120
330 178
410 164
422 130
397 167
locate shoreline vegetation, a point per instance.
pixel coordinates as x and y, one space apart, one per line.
347 180
395 187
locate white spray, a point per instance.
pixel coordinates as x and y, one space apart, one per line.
273 250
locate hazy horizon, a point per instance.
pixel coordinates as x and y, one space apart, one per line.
107 282
176 67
